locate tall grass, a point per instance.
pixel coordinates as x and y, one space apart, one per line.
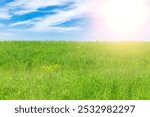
74 70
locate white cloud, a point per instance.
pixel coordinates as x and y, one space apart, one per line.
4 15
21 7
57 29
59 18
26 22
49 22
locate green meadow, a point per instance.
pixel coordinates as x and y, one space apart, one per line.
74 70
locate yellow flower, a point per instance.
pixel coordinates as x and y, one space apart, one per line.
50 68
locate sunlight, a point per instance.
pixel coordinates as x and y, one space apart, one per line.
123 16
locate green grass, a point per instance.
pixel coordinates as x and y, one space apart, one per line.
74 70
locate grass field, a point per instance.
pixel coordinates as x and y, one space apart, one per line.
74 70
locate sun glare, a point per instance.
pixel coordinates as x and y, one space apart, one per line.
123 16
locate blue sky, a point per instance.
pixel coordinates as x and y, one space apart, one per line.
43 20
77 20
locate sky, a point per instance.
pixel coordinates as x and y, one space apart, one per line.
77 20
